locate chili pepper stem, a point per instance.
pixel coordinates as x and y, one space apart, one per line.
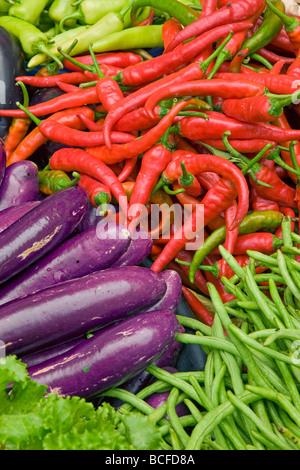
36 120
290 23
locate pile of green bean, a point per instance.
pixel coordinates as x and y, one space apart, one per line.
248 395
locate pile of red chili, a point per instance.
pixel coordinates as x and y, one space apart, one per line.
209 125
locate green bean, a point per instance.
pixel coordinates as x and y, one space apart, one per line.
247 340
209 374
194 410
288 297
212 419
131 398
217 384
286 275
286 232
260 424
186 421
194 324
174 420
260 409
226 427
295 237
231 261
269 445
262 258
259 297
292 334
278 398
287 433
227 323
279 304
210 341
287 422
174 381
174 440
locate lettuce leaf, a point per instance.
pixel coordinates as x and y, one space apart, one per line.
32 420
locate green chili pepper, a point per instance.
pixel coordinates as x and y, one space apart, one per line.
110 23
31 38
59 39
4 6
91 11
174 8
59 9
27 10
138 37
268 30
258 220
52 181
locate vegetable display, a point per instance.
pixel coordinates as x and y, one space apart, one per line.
149 225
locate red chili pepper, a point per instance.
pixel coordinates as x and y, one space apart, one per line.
117 59
170 29
128 168
237 61
263 242
291 25
35 139
119 153
260 203
231 12
16 133
214 87
82 97
197 307
148 20
78 160
283 123
231 235
189 182
199 281
272 57
169 62
98 192
216 200
74 78
242 146
288 212
225 297
154 162
255 108
138 98
108 92
187 201
196 128
202 163
279 84
66 87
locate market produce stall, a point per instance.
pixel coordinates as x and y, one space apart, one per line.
149 225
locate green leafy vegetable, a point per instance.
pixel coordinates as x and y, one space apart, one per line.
32 420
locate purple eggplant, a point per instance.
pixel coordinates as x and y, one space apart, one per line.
172 296
20 184
109 358
73 308
82 254
12 214
12 64
2 161
45 354
139 248
140 381
40 230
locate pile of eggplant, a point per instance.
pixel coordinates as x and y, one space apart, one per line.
76 305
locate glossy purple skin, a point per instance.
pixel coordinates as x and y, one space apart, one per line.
137 383
40 230
172 296
12 214
112 356
82 254
20 184
72 308
137 251
46 354
2 161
